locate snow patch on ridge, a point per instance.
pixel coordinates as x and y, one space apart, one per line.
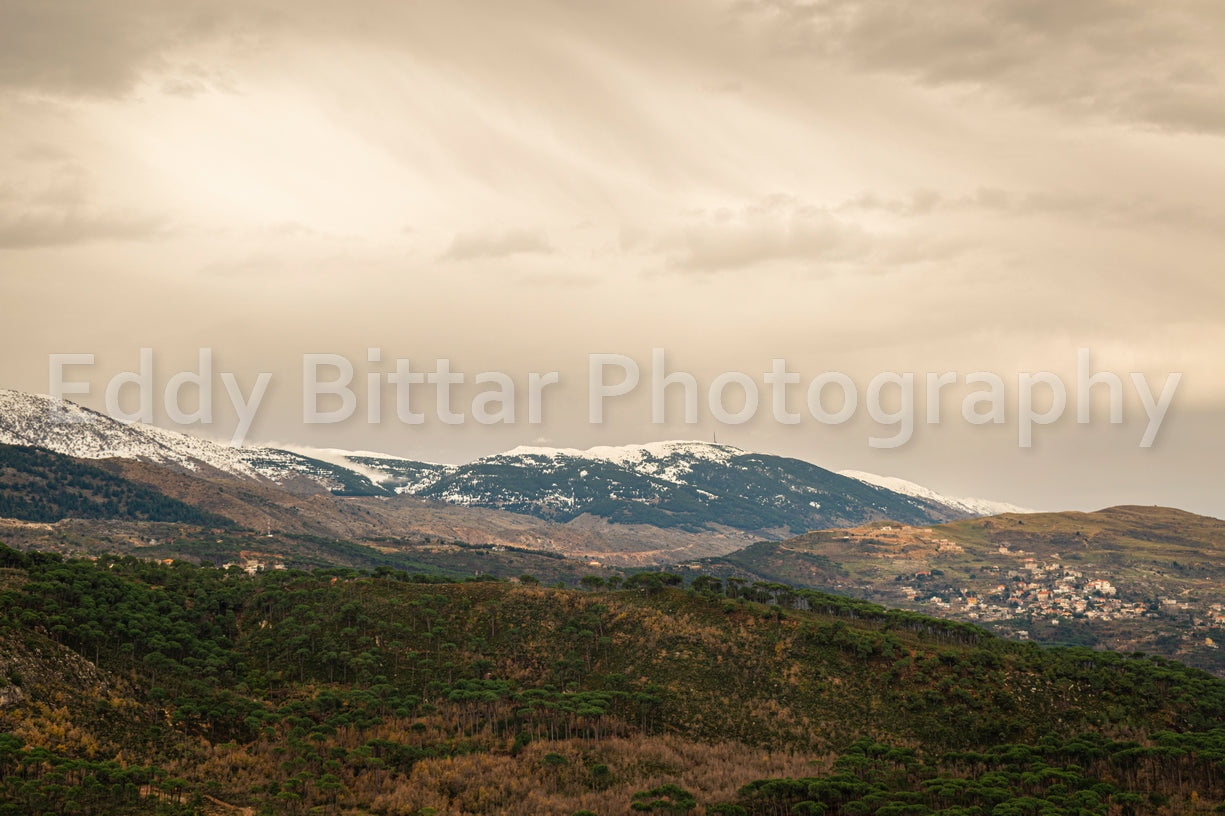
31 419
670 460
977 507
351 460
27 419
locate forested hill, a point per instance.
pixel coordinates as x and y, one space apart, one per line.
129 686
39 485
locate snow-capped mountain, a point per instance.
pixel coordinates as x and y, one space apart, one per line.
695 486
691 486
28 419
969 506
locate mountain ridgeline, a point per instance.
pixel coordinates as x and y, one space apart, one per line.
33 420
694 487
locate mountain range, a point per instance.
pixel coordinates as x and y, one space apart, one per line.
1131 578
685 486
395 609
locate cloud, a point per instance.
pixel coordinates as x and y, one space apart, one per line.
781 231
86 48
1085 208
468 246
776 229
193 79
1153 64
875 233
41 152
67 228
54 204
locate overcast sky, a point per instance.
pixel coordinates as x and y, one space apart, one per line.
851 186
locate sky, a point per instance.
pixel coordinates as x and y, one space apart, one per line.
862 190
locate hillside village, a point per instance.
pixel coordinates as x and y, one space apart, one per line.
1027 587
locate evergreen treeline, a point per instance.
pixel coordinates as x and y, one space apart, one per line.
1086 776
38 485
135 686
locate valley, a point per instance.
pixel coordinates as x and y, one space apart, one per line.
187 631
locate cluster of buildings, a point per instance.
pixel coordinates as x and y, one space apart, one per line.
1050 592
251 565
1043 589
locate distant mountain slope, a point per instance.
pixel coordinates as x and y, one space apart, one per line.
391 472
694 486
260 506
38 485
26 419
970 506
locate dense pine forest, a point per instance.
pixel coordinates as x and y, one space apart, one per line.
131 686
38 485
